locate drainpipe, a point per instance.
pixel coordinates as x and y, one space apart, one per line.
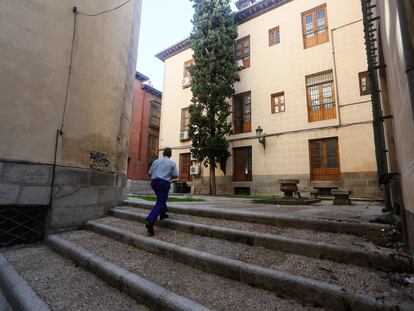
379 139
141 127
334 67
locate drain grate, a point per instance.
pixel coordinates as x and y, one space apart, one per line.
22 224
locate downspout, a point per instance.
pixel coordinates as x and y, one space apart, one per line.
338 112
334 67
141 127
379 139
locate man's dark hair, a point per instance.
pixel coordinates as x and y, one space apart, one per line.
167 152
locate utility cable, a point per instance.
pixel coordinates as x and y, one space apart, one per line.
107 11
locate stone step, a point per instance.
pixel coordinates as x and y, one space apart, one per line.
104 255
369 280
377 257
16 292
303 289
278 220
62 285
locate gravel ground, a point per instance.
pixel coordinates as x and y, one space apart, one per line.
311 235
64 286
207 289
350 276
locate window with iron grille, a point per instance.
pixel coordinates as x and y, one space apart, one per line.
22 224
274 36
324 159
155 114
242 113
185 119
242 164
242 51
364 86
278 102
320 96
315 26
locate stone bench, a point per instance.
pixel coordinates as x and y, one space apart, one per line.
341 196
313 193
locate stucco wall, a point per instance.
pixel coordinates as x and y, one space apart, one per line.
283 67
35 49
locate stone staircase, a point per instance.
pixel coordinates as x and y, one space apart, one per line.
208 259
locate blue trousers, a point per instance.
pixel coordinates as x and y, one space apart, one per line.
161 189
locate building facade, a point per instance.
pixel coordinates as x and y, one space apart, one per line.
390 48
144 133
303 81
66 85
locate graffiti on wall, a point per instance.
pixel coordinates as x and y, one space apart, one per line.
97 160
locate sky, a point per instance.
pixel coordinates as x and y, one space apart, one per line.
163 23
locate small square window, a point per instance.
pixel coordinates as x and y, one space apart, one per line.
274 36
364 84
278 102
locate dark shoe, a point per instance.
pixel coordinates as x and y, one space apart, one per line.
163 216
150 228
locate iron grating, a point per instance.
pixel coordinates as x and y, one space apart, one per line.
22 224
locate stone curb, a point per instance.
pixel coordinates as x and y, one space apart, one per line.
304 289
285 244
144 291
17 291
334 226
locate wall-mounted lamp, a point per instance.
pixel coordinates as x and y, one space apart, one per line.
261 136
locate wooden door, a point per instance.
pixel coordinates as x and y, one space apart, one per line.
242 164
324 159
185 163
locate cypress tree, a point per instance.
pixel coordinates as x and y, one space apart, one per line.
213 76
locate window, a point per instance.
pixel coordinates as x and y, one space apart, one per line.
315 26
152 149
155 114
242 113
324 159
187 65
278 102
274 36
364 85
320 96
185 119
242 51
242 164
186 82
185 163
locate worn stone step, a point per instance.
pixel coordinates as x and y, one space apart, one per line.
301 288
279 220
62 285
212 291
15 292
368 280
140 289
378 258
